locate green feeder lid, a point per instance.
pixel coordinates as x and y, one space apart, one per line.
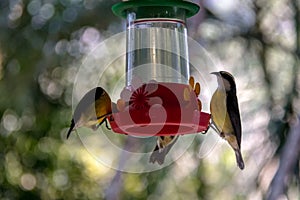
119 9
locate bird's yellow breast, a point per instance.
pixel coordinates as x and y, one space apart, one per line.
219 114
96 112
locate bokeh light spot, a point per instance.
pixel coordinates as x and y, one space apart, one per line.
28 181
47 11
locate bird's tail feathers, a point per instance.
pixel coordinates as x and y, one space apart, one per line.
239 159
158 156
71 128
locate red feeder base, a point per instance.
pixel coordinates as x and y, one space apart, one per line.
160 109
160 129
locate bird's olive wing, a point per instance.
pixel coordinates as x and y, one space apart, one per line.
87 100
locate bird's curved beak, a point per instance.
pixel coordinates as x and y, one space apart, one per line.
215 73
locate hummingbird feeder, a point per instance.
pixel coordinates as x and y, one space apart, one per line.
159 97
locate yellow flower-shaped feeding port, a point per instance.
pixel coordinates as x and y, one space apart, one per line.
196 88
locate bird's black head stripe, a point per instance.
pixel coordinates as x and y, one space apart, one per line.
229 78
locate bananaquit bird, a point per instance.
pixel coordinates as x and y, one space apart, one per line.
225 113
163 146
92 110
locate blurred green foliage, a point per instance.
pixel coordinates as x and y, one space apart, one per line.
42 42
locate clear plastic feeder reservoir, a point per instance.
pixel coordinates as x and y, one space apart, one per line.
158 98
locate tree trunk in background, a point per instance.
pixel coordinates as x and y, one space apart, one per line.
288 161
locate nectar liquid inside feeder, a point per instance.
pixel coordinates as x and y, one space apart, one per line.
157 98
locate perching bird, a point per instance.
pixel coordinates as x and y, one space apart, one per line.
162 148
92 110
225 113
